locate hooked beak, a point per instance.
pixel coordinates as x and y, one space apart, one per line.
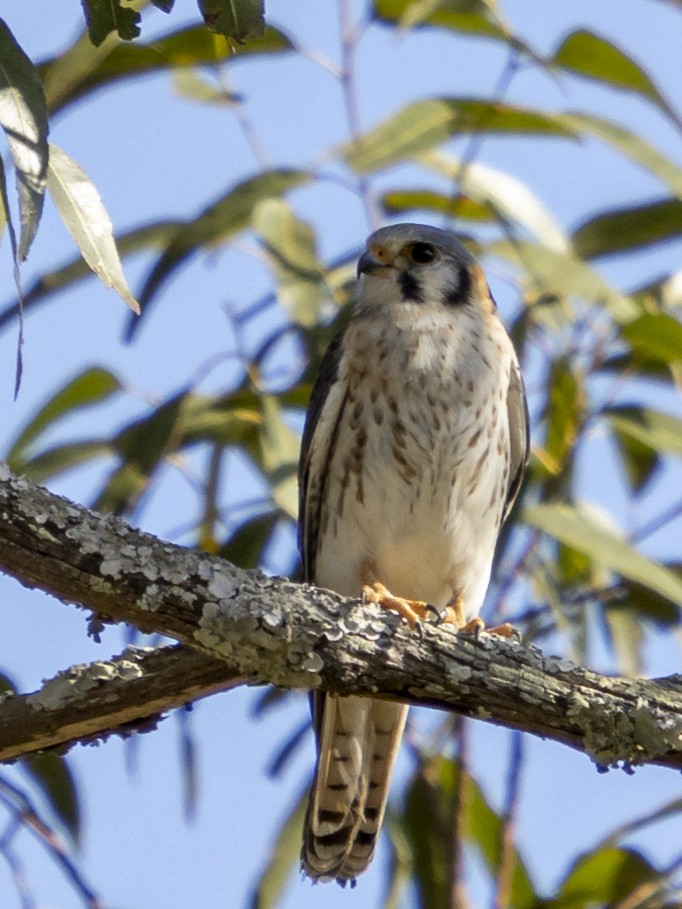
371 264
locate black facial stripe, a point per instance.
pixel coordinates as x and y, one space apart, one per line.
410 288
458 294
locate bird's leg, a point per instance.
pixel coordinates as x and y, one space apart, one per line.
411 610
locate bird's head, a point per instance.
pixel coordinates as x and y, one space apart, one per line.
416 263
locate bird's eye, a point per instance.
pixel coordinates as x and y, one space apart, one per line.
421 253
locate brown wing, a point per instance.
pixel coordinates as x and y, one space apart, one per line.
519 437
328 399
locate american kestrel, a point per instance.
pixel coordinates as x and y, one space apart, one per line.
413 451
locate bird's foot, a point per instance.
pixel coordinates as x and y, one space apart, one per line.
455 609
413 611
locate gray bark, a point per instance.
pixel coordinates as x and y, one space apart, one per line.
241 627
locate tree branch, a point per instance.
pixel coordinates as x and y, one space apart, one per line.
126 694
271 630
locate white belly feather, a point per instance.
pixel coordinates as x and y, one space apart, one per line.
421 497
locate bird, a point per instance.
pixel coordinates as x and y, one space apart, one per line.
413 451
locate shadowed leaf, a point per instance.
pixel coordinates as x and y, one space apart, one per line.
23 117
106 16
53 777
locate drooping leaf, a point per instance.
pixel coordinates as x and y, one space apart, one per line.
550 272
83 68
236 19
640 462
53 461
629 144
23 117
594 57
655 336
247 544
283 858
430 824
93 386
290 247
509 198
577 528
106 16
227 216
84 215
633 227
280 448
659 431
563 416
53 777
421 125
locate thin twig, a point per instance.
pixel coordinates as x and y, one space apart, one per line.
350 35
507 866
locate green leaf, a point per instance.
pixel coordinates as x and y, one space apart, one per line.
236 19
508 198
461 207
563 414
580 529
247 544
283 859
84 215
189 84
626 636
23 116
280 449
603 878
54 779
640 461
222 219
593 57
433 796
551 272
659 431
93 386
634 227
106 16
655 336
421 125
629 144
53 461
290 246
84 68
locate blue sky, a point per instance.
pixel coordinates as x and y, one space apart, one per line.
153 154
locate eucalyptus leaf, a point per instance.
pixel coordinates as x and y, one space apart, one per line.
23 117
83 213
218 222
625 229
421 125
589 55
577 528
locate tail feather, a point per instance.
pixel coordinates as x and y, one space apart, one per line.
358 740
